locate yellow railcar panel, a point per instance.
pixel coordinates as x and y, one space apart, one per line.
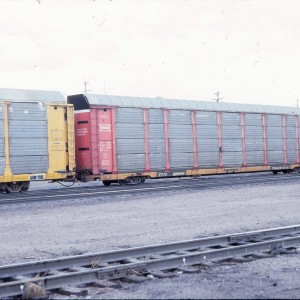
56 142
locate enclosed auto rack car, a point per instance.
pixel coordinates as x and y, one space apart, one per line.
128 139
36 138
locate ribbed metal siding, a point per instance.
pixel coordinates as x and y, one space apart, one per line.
181 160
156 116
181 140
157 161
275 145
291 142
231 139
157 142
28 135
275 157
207 139
131 162
180 117
253 120
231 119
206 118
254 145
2 143
274 120
130 139
255 158
254 139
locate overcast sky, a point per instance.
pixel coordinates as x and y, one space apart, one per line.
249 51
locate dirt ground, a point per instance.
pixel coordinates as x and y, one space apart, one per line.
47 230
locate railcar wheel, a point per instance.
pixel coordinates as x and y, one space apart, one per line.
275 172
25 186
285 171
143 179
122 182
106 182
13 187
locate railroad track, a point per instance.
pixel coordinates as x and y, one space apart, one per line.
207 182
100 269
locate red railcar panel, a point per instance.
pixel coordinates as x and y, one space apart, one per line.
83 141
105 141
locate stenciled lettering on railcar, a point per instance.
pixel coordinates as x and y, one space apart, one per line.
104 127
278 168
231 170
81 131
170 174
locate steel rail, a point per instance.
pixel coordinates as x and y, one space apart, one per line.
57 195
170 256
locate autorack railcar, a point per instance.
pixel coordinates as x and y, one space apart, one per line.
36 138
128 139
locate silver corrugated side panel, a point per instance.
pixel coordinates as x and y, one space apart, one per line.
131 162
291 144
274 120
181 145
274 132
157 161
232 145
274 144
2 165
2 142
254 132
207 131
130 146
208 159
130 131
181 160
206 118
291 156
291 132
206 145
156 116
254 144
231 132
255 158
156 131
33 164
130 115
275 157
291 121
233 119
157 145
231 159
19 148
253 120
180 117
176 131
28 129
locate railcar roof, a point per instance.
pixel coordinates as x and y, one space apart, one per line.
84 101
19 95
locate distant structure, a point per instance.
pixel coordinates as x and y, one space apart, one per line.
85 87
218 98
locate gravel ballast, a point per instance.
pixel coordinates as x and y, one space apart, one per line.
47 230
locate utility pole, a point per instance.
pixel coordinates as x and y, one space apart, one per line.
297 102
218 98
85 87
